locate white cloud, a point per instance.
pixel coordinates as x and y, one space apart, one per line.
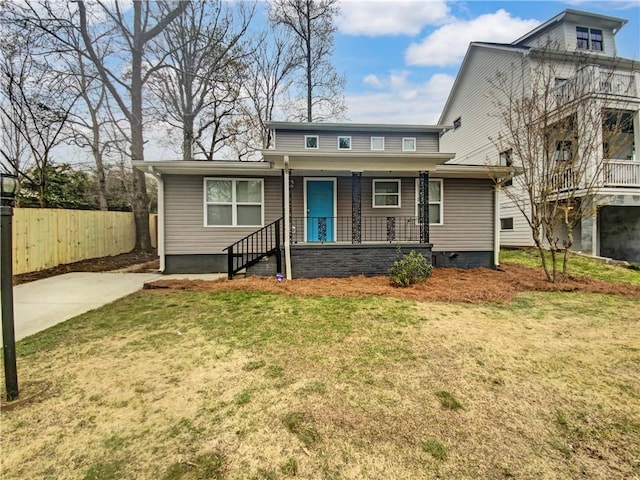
401 101
372 80
384 17
447 45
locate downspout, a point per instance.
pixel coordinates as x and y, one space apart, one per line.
496 226
287 219
160 181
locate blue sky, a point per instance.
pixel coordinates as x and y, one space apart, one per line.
400 57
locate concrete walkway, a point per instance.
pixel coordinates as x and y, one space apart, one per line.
41 304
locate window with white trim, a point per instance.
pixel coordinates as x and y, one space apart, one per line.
436 203
344 143
377 143
589 39
386 193
311 142
233 202
409 144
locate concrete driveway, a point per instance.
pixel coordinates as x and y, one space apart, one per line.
41 304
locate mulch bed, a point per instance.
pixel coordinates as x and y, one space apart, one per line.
447 284
142 260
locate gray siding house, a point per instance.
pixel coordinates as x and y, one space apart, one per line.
328 200
584 53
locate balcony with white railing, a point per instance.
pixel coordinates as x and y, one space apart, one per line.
595 80
621 173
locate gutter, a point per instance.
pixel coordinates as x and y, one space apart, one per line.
160 181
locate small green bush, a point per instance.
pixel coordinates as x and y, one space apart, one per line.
412 268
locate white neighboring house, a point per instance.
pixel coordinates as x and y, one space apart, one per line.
615 229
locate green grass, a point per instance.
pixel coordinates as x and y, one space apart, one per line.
579 265
435 448
260 385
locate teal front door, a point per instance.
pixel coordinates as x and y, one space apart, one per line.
320 211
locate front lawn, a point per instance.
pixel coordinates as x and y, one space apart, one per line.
253 385
579 265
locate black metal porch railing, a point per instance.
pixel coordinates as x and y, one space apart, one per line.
251 249
340 229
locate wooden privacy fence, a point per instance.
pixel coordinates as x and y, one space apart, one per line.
46 237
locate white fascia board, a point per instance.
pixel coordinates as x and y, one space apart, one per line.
182 167
359 161
473 171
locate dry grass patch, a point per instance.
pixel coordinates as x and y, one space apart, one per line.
244 385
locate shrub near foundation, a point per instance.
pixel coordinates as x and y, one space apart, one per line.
410 269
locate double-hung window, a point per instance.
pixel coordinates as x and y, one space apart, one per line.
233 202
589 39
386 193
436 203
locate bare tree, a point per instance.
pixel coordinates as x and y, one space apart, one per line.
312 24
137 30
268 78
35 106
89 124
200 89
554 124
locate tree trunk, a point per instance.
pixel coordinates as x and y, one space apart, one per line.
140 200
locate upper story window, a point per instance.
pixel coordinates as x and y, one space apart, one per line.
311 142
589 39
377 143
344 143
409 144
233 202
457 123
386 193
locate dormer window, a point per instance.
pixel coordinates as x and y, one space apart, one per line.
311 142
589 39
344 143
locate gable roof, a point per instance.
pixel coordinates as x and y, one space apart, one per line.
473 46
574 16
